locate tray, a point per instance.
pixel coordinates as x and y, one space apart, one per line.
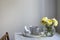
31 35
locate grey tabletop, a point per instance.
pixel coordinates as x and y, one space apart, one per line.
19 37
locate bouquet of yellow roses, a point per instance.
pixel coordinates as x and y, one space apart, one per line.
49 24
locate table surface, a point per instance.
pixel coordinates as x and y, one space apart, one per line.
19 37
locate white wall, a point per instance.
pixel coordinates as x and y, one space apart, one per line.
15 14
58 14
11 16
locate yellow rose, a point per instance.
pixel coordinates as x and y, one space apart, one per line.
49 22
44 20
55 22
